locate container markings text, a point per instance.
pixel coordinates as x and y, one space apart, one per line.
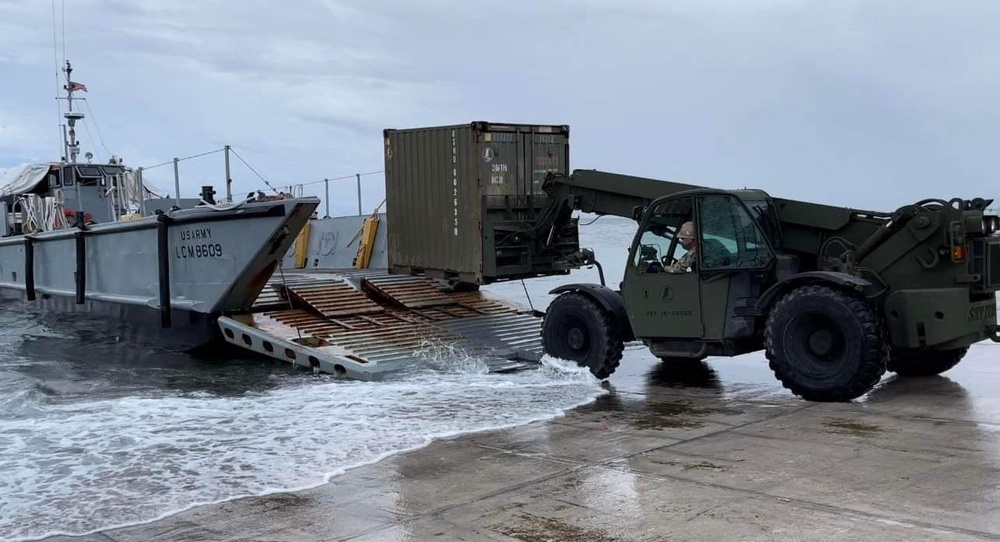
454 177
497 173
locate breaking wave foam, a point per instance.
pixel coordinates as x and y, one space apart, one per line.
90 466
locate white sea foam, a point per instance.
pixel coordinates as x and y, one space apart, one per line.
90 466
123 457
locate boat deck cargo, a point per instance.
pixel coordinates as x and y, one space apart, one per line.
365 324
457 199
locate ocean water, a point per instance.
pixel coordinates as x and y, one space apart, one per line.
96 432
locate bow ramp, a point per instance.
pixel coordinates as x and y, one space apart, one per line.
364 325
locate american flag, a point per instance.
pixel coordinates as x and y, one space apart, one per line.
74 86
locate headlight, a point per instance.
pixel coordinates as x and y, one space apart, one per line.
978 223
991 224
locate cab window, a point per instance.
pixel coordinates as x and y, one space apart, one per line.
730 239
657 244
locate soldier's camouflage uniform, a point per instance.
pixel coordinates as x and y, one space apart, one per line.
682 265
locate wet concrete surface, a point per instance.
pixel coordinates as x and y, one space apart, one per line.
715 451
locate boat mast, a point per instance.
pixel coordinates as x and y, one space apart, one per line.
72 116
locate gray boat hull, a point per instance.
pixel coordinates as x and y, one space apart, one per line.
199 263
128 323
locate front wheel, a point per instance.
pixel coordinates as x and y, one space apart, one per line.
925 362
825 345
576 328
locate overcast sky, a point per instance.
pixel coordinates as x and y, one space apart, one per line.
822 101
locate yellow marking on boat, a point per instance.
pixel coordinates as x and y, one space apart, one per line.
302 246
368 232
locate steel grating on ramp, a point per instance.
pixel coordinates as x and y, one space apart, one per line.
410 292
332 298
365 325
271 295
513 335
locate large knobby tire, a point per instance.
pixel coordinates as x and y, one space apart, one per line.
575 328
824 344
925 362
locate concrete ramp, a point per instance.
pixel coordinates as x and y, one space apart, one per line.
368 324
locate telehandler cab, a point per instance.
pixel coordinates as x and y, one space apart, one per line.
834 296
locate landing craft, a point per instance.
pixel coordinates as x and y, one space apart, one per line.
83 237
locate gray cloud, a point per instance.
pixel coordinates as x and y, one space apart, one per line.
871 104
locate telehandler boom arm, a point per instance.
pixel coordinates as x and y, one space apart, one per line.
603 193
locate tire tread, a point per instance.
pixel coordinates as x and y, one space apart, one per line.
608 339
874 361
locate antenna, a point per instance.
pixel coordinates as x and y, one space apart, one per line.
72 116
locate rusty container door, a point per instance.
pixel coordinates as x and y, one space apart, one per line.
500 166
516 198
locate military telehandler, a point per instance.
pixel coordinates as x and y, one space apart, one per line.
834 296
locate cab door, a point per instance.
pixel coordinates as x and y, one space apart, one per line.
733 260
662 304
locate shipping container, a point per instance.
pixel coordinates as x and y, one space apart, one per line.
458 199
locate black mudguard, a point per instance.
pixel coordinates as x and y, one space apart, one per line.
843 280
609 299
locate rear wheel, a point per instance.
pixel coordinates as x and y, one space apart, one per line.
925 362
825 345
576 328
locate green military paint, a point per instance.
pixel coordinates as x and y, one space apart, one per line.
834 296
457 198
